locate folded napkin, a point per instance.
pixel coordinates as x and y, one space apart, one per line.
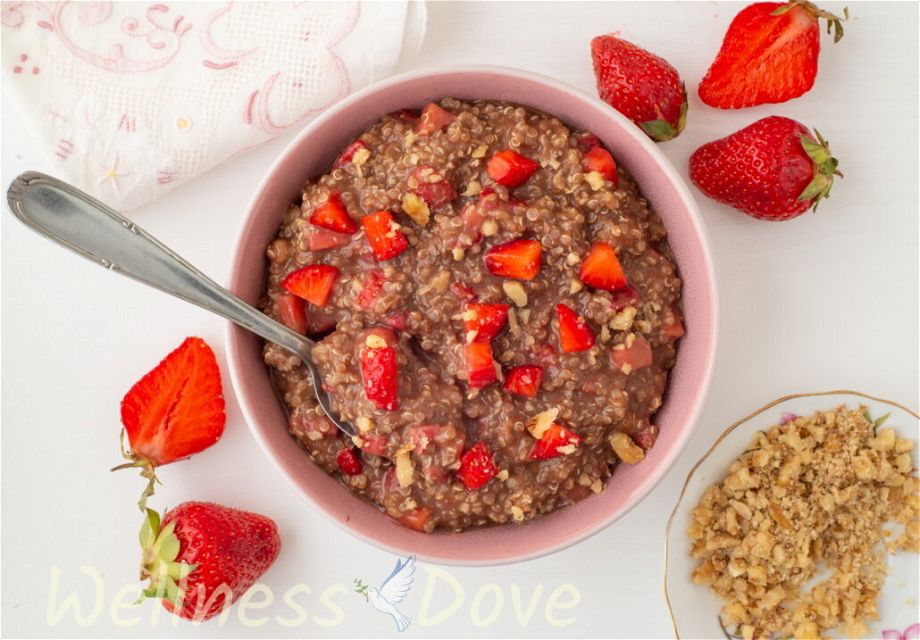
131 99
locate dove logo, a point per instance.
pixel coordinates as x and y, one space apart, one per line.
391 592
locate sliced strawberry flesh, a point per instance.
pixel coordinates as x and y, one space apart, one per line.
320 239
333 215
313 283
518 259
555 441
636 356
480 366
418 519
349 462
628 296
471 232
407 115
384 235
177 409
599 159
463 291
601 269
524 380
434 118
477 466
574 333
375 444
511 169
373 285
291 312
380 370
348 153
588 141
482 322
433 187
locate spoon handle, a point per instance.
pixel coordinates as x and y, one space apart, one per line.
79 222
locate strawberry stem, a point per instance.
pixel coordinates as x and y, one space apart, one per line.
160 548
825 168
148 471
833 21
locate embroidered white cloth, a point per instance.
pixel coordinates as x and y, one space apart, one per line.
131 99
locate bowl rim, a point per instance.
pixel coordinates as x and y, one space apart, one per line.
719 440
663 466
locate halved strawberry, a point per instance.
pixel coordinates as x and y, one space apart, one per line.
511 169
635 356
555 441
574 332
373 285
516 259
173 412
418 519
434 118
601 269
349 462
348 153
480 367
333 215
386 239
433 187
379 369
320 239
291 312
482 322
599 159
524 380
313 283
477 466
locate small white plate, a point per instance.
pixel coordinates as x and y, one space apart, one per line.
694 608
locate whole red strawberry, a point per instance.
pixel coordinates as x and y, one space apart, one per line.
640 85
202 557
174 411
769 54
774 169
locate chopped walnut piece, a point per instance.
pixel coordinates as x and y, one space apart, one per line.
806 498
595 179
375 341
515 292
416 208
361 156
539 423
364 424
627 450
405 468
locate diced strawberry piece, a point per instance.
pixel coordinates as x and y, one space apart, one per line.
471 215
434 118
384 235
291 312
637 355
516 259
408 116
482 322
477 466
379 370
333 215
524 380
313 283
574 332
599 159
433 187
397 321
628 296
646 437
601 269
320 239
588 141
480 367
373 285
437 446
349 462
463 291
673 326
348 154
417 519
375 444
555 441
510 169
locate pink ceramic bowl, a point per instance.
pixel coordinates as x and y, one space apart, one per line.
313 151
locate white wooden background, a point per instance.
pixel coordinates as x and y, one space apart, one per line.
828 301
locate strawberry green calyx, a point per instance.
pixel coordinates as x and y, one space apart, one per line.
661 130
160 548
825 169
833 22
147 468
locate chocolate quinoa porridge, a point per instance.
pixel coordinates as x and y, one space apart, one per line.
497 310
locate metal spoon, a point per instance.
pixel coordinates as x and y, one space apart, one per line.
79 222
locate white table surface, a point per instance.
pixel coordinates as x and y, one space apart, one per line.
828 301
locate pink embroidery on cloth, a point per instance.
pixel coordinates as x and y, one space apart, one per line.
263 95
206 37
910 633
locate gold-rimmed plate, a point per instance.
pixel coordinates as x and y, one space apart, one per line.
695 609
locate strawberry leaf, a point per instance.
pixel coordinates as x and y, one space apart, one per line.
659 130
